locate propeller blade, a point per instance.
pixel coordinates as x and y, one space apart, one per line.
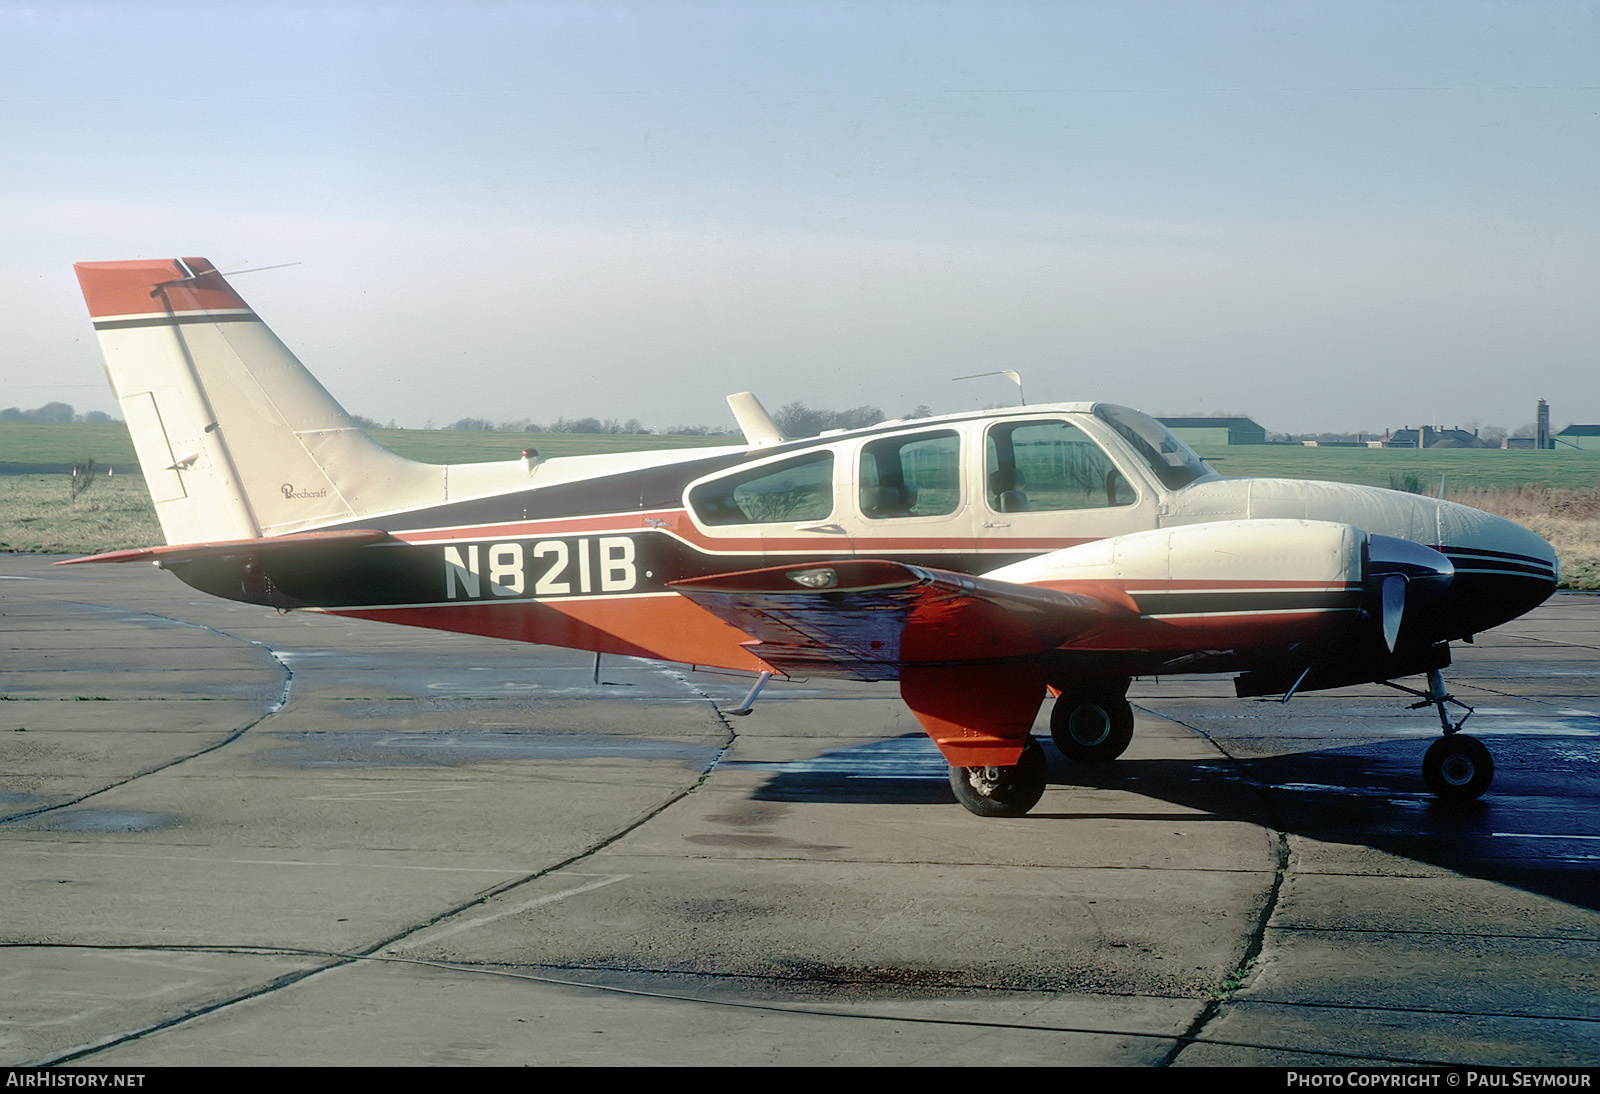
1393 594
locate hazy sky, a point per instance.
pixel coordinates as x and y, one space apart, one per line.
1330 216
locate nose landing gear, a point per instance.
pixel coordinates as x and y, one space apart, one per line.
1456 767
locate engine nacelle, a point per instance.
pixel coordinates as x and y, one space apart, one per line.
1254 552
1278 597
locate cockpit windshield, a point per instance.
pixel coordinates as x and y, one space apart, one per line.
1173 462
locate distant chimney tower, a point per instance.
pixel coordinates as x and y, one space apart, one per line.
1541 427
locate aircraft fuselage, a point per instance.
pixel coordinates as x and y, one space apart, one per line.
589 562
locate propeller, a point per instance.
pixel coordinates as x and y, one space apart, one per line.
1401 574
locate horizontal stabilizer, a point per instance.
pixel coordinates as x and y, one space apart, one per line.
234 548
865 619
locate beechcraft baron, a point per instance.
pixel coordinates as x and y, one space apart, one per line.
981 560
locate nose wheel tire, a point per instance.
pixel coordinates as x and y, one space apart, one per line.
1002 791
1091 730
1457 768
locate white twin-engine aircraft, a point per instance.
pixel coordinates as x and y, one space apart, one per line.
982 560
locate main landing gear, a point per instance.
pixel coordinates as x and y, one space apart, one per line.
1089 727
1002 791
1094 727
1456 767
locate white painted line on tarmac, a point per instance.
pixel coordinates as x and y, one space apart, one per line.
408 794
1539 835
1587 725
549 898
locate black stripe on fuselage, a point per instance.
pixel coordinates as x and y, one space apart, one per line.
1486 553
1204 601
1478 560
173 321
546 568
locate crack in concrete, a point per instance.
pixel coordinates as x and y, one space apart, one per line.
373 952
277 705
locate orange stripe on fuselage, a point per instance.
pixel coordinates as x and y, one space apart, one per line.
664 628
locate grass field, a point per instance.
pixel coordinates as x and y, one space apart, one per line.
109 444
1556 493
1462 468
38 514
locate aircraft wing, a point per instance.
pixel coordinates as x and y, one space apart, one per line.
235 548
867 619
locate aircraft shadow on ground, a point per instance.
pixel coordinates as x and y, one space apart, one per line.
1538 828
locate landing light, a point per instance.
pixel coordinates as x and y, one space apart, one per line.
824 578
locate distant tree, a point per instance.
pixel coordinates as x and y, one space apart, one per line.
50 412
471 424
857 417
96 417
796 419
1333 438
700 431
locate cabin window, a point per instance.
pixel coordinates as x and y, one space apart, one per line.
1049 466
911 476
799 489
1173 462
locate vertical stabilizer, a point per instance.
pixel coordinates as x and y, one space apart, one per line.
235 437
757 425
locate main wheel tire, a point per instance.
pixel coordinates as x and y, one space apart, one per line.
1002 791
1457 768
1091 730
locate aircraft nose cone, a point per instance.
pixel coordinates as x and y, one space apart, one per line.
1502 568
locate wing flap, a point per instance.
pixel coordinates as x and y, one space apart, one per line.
866 619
